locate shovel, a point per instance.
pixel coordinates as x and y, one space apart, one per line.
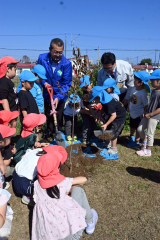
58 136
104 135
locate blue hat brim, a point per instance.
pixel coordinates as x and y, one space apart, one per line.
147 87
107 99
40 75
116 89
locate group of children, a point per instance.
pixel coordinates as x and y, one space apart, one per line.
61 209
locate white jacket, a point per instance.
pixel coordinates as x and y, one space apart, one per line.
123 75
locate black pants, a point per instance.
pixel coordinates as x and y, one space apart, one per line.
89 126
50 121
68 125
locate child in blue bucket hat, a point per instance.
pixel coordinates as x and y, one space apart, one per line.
68 112
40 72
138 105
87 110
116 112
152 116
110 87
27 103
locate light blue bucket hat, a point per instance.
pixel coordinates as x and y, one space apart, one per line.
98 91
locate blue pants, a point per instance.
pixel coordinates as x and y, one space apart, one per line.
22 185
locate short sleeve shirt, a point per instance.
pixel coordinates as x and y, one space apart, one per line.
8 91
138 101
27 102
154 103
114 106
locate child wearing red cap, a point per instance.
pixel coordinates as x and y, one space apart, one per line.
57 215
26 171
5 139
9 119
8 94
28 140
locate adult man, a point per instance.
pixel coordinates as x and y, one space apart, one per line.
59 76
121 71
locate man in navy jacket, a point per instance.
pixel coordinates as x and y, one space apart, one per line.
59 76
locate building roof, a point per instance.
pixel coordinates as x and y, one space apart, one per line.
25 65
143 67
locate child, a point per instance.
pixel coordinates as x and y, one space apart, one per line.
27 102
86 111
68 116
26 171
57 215
151 118
28 140
8 94
40 72
6 215
116 112
138 105
9 119
5 139
111 88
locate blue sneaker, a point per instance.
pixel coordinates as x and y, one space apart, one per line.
91 226
133 144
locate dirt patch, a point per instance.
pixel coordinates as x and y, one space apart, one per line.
81 160
105 136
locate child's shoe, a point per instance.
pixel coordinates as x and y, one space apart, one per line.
69 140
91 226
6 185
28 201
131 140
75 138
133 144
112 150
144 153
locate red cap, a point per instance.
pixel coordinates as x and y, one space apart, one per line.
3 64
48 172
31 121
53 148
6 116
6 131
1 102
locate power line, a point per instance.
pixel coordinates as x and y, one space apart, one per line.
29 35
82 35
96 49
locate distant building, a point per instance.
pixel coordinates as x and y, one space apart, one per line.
147 68
24 66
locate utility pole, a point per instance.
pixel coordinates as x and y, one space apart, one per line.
137 60
159 61
87 52
71 45
155 57
98 56
65 45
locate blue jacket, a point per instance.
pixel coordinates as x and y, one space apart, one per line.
62 74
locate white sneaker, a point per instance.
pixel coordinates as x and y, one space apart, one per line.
91 226
28 200
6 185
112 150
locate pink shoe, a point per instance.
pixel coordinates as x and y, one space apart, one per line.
144 153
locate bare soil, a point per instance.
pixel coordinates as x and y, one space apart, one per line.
124 192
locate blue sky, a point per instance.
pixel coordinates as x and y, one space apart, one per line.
112 25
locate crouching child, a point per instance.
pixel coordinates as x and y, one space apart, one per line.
116 112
